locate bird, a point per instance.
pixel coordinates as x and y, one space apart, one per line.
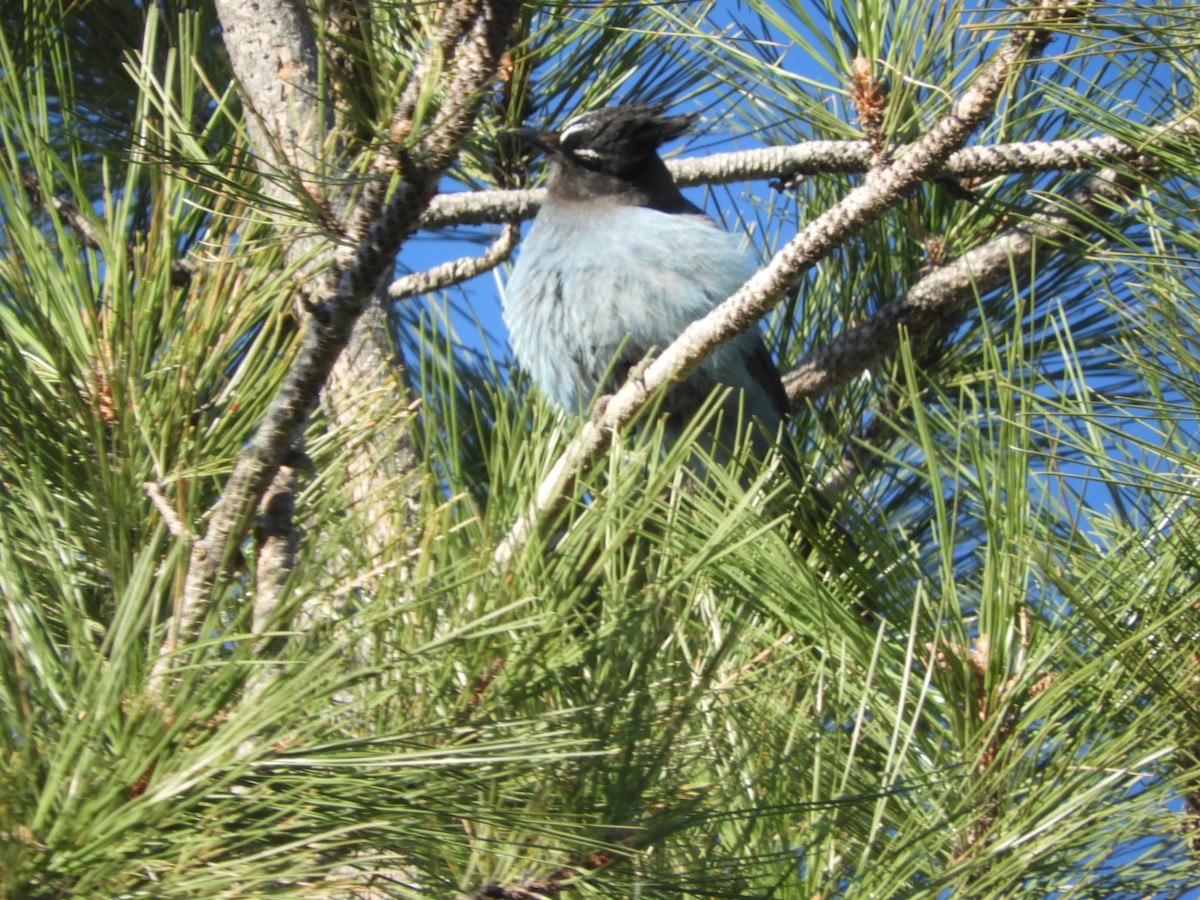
617 264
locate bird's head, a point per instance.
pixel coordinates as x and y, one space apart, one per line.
613 152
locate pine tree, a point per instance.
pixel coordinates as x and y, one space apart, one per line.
306 594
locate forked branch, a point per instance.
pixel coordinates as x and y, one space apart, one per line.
882 189
977 271
475 35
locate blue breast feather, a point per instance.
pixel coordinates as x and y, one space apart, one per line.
597 277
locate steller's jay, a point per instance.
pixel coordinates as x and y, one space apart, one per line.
618 260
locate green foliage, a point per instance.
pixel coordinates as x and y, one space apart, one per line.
969 671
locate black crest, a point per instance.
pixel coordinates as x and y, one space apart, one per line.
613 152
616 137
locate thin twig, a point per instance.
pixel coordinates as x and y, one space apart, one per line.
757 660
88 231
174 524
84 227
458 270
882 189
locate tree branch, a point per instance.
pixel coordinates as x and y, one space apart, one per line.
87 231
278 542
947 291
470 65
175 525
883 188
977 271
808 158
458 270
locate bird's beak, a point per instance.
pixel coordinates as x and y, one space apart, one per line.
546 141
